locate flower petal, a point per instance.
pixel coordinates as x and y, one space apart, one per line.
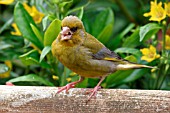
157 13
145 51
147 59
149 54
167 8
167 42
28 8
35 14
157 56
152 49
16 32
147 14
6 2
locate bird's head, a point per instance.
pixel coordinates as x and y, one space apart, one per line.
72 30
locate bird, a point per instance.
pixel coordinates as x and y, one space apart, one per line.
83 54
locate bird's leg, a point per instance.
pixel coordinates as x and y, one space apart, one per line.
70 85
9 84
94 91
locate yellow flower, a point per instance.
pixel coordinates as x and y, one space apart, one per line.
55 77
28 8
167 8
6 2
68 79
157 13
35 14
167 42
6 74
149 54
17 32
73 74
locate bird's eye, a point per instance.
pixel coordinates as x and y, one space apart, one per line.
74 29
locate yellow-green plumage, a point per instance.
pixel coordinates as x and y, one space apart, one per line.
84 54
78 53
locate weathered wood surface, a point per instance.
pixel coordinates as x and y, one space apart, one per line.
28 99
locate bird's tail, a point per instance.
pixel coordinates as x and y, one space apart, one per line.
128 66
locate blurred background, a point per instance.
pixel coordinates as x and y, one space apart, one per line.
28 27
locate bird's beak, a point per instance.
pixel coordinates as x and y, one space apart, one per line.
66 33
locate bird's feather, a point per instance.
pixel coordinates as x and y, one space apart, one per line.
85 55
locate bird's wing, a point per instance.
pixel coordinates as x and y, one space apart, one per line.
100 52
106 54
92 44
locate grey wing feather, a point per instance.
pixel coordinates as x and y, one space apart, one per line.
104 52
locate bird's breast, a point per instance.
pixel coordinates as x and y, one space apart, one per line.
71 56
79 59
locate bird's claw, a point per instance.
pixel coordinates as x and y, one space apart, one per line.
94 92
67 87
9 84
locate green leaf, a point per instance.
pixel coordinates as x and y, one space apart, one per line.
37 32
62 4
77 8
127 50
52 32
23 21
131 58
4 45
81 12
31 78
133 40
127 29
45 51
6 25
86 23
83 84
146 30
105 34
30 57
63 77
3 68
135 75
44 64
44 22
103 19
116 40
116 77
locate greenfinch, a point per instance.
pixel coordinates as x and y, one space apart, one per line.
85 55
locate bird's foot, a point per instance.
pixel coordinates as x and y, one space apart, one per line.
94 92
67 87
9 84
70 85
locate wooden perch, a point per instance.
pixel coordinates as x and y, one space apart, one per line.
29 99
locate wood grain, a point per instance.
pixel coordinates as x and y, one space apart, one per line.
29 99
